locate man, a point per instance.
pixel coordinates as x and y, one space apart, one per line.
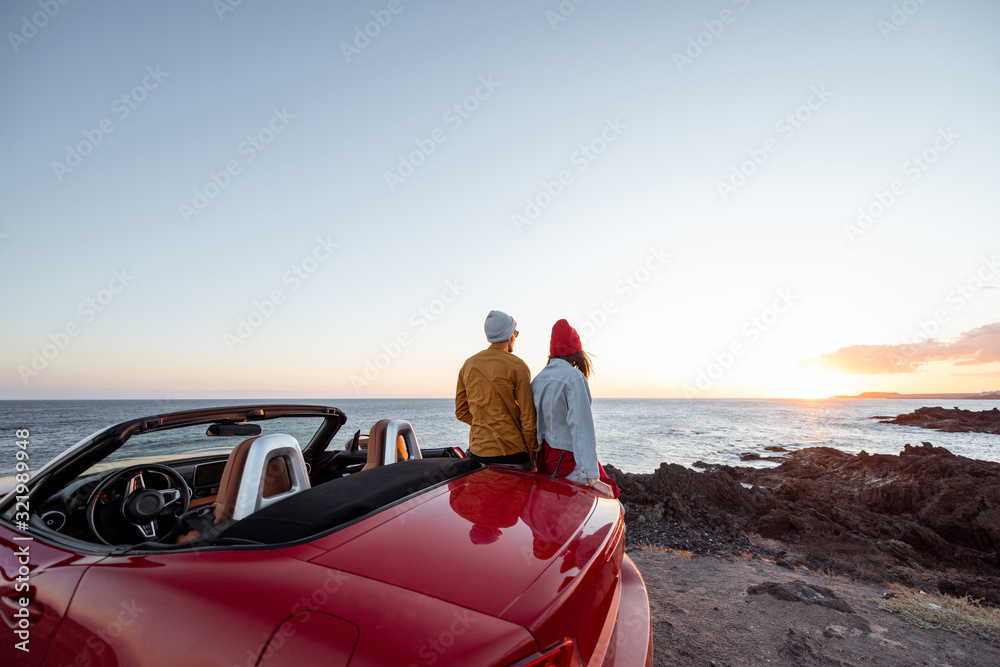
494 398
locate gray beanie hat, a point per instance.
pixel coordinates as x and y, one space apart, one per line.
499 326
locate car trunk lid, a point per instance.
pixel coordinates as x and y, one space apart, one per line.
509 544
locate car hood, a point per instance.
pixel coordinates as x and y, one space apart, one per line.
481 541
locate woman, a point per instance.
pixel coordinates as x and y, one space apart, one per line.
564 423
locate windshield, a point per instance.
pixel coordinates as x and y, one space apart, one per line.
188 441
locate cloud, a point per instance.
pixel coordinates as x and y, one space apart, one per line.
971 348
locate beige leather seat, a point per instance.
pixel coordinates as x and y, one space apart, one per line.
398 431
259 471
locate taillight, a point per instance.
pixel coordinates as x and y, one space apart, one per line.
561 655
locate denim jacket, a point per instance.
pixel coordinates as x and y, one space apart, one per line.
563 417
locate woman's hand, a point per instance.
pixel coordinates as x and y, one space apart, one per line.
601 487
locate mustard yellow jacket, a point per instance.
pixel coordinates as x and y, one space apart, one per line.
494 397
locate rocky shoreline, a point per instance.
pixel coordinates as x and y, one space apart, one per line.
955 420
923 518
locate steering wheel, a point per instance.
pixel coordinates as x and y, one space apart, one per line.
123 505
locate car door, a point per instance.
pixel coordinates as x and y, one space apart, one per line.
37 581
184 608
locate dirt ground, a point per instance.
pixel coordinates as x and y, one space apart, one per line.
702 615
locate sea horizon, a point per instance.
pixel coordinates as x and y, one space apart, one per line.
634 435
981 396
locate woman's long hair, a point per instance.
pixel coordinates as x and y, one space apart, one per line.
580 361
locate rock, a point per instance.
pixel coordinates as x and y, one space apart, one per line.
753 456
979 588
688 498
781 562
858 625
799 649
796 647
800 591
776 448
904 518
954 420
925 508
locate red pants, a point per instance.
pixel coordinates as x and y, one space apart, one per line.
549 459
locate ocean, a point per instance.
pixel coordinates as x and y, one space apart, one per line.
634 435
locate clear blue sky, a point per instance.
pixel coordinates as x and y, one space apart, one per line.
832 100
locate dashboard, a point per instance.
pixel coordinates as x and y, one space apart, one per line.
65 512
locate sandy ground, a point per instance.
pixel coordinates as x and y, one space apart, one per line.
702 615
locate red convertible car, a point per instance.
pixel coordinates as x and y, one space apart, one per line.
158 542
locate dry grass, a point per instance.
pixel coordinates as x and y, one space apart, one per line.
655 547
963 616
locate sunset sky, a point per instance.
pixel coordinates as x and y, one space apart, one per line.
309 199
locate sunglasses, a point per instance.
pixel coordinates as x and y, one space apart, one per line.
515 333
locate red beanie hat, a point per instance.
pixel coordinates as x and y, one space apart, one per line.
565 340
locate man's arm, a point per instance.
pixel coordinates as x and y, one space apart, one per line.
522 394
462 400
